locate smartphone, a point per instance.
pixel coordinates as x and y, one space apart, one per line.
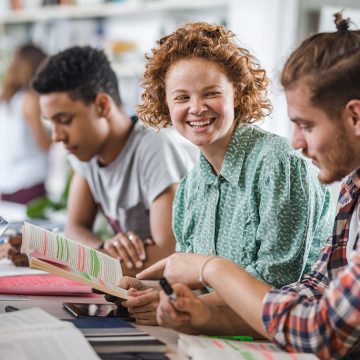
80 310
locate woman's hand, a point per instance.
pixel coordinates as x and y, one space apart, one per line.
188 313
142 302
4 250
142 305
178 267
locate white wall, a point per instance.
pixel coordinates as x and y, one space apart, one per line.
268 29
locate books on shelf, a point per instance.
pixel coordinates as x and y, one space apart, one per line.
55 254
208 348
34 334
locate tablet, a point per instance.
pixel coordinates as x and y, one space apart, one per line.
80 310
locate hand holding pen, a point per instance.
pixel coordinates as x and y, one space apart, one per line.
184 312
169 291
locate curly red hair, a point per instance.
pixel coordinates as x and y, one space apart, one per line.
214 43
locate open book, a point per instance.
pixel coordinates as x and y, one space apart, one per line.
207 348
34 334
72 260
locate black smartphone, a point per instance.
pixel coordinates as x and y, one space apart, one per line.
80 310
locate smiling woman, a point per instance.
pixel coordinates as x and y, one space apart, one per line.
250 198
200 98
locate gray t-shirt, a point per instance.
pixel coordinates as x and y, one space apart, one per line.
148 164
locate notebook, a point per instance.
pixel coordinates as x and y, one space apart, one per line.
105 326
114 336
207 348
46 284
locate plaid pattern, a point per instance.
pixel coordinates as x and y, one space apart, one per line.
316 315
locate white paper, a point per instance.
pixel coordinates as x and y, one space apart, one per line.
7 268
34 334
13 297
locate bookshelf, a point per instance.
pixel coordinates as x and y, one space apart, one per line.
18 26
124 29
134 25
125 8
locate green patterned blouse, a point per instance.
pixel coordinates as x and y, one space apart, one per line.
266 211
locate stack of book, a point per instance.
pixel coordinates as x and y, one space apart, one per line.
114 336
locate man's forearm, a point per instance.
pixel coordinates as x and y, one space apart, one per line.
241 291
82 235
224 321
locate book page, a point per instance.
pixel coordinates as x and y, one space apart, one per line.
34 334
15 319
205 348
75 275
88 262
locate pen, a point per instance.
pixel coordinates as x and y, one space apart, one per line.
9 308
235 337
168 289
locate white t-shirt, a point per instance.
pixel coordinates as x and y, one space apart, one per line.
148 164
22 163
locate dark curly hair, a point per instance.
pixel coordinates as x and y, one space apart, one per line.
82 72
329 64
216 44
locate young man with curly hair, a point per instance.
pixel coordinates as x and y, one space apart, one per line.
128 172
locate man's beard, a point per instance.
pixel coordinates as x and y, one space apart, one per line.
336 161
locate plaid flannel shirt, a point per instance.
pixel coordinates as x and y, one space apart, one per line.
321 314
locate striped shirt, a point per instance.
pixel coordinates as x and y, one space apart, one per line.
321 314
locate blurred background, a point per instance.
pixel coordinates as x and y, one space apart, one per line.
127 29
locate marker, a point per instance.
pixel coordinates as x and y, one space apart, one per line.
235 337
168 289
9 308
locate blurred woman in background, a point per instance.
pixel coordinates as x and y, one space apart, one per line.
24 142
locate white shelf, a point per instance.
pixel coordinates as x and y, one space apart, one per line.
129 69
126 8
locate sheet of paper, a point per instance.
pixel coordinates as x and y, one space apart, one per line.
34 334
7 297
45 245
15 319
7 268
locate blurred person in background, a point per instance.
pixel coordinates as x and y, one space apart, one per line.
24 142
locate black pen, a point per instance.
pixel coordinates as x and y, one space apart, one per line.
168 289
9 308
